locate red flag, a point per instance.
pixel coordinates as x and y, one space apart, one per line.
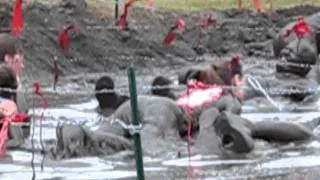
300 28
257 5
17 19
123 18
180 23
169 38
64 36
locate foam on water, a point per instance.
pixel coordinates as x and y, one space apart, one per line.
292 162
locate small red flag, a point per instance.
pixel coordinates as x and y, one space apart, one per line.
64 36
257 5
300 28
169 38
123 18
17 19
180 23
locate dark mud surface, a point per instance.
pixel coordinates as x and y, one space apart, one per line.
101 48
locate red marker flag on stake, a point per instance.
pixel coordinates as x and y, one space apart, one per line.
17 19
300 28
180 24
64 36
257 5
123 18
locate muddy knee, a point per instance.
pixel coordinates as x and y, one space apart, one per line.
234 133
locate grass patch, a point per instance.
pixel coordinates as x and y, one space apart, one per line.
106 7
192 5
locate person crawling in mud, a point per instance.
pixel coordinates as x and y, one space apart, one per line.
298 53
164 120
108 101
10 54
218 75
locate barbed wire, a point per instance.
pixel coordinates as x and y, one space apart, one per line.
148 88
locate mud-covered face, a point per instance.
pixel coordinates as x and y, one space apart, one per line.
16 62
297 58
233 133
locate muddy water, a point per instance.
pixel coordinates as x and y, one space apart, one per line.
268 161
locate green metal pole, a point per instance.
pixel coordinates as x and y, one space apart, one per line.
135 122
116 11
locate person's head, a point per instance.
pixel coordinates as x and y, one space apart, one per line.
298 57
10 52
231 74
7 80
105 99
159 84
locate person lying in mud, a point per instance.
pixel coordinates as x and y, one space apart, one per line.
164 122
236 135
10 54
297 56
221 73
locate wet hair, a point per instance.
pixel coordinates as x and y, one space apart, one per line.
165 91
7 80
8 45
227 70
105 99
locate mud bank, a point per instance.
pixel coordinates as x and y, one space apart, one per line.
100 47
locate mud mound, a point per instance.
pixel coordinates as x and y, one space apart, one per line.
100 47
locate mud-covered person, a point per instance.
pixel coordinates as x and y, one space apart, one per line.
297 70
8 106
223 73
108 99
11 54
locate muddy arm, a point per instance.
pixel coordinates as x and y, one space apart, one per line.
187 75
152 141
228 103
16 137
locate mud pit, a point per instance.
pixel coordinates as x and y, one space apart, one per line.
99 48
